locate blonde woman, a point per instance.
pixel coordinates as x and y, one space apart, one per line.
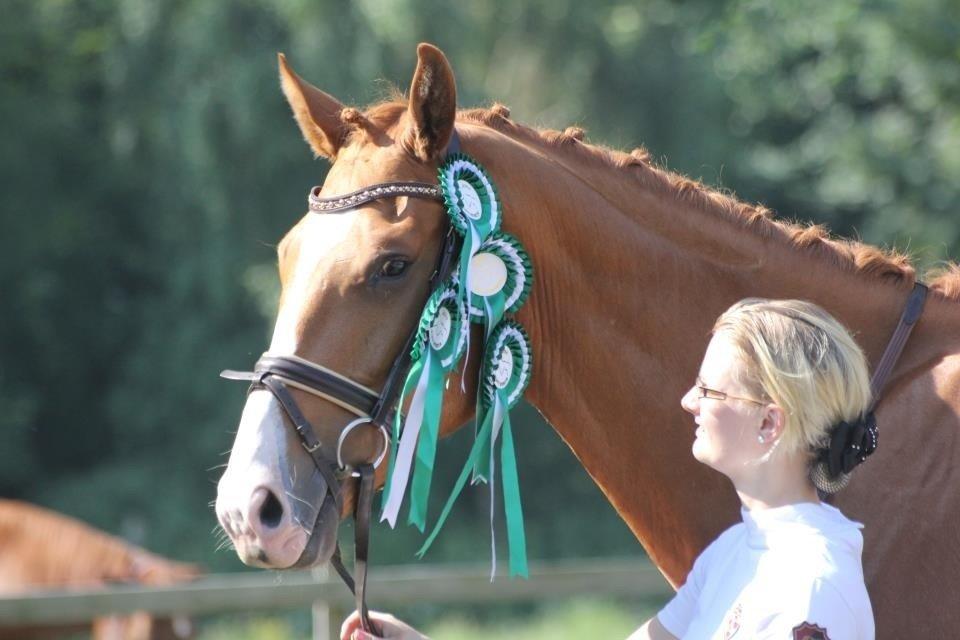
778 403
779 381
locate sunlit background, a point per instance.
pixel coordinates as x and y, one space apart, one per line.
149 165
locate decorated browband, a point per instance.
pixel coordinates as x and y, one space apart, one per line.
492 279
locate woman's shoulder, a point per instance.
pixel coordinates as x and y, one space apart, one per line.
731 537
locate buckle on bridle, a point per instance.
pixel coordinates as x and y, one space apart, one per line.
313 448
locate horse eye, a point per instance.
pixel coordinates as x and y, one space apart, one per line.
394 268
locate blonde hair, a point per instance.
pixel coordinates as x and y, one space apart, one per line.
798 356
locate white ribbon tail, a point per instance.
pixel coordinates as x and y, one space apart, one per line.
408 442
497 423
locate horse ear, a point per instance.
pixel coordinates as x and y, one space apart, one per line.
317 113
433 103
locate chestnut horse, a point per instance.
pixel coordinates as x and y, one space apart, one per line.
633 265
44 550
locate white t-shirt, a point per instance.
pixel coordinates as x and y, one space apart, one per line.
788 573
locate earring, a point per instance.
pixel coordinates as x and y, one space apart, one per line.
761 439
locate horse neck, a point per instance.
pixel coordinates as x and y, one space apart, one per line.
628 281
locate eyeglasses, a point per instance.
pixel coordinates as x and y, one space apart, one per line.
706 392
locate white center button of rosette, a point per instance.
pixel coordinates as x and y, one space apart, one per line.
470 200
488 274
440 329
504 369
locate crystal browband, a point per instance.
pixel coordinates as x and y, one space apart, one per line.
369 194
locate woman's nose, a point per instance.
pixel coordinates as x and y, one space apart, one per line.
689 401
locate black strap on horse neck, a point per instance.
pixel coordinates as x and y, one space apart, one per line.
908 319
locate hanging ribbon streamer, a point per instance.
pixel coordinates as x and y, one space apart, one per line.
501 277
505 374
441 340
494 276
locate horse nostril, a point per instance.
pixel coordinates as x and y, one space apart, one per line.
271 512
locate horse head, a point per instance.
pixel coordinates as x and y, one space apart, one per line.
353 284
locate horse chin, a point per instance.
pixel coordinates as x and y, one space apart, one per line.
323 539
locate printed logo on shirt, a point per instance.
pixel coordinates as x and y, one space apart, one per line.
733 622
809 631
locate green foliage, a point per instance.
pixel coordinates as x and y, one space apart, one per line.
847 112
258 628
563 621
574 620
150 164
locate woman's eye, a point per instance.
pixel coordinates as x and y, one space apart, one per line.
393 268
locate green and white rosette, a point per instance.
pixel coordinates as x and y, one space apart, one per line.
505 374
441 341
501 277
473 204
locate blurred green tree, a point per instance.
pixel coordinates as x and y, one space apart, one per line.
149 166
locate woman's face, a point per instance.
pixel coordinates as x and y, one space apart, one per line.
727 430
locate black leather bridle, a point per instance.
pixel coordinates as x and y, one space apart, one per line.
275 373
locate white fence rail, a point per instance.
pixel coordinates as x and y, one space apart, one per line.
387 587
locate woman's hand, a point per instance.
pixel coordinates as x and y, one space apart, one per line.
391 628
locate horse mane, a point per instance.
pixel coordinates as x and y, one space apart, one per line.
816 239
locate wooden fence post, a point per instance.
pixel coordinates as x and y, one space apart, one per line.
326 617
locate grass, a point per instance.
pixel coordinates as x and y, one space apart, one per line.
566 620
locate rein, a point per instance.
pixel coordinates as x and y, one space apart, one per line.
275 373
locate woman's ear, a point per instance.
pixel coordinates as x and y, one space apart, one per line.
773 422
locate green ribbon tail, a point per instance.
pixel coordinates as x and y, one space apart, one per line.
408 387
426 446
481 466
469 248
516 537
461 482
493 308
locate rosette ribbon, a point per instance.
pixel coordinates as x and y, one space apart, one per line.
473 205
505 374
501 277
440 342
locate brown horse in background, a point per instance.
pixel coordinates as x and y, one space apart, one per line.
633 264
44 550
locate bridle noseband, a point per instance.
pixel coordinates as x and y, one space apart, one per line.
275 373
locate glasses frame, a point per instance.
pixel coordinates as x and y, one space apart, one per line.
705 392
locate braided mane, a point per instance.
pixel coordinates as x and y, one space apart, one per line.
844 253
